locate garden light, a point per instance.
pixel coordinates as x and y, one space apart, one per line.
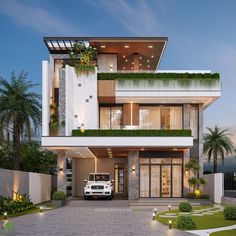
5 215
197 193
169 207
153 216
155 211
41 209
170 224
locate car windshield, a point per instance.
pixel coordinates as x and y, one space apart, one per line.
99 177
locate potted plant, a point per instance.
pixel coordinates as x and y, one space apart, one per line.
59 199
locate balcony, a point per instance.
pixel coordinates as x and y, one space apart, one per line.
173 88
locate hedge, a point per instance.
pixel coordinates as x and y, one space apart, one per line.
158 76
133 133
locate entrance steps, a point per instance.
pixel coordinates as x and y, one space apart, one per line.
154 202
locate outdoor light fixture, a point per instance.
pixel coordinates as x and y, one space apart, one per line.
41 209
153 216
155 211
169 207
150 46
170 224
126 46
5 215
61 169
103 46
133 168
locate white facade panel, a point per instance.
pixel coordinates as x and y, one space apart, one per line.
117 141
81 101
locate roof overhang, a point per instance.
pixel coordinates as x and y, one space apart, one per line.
148 49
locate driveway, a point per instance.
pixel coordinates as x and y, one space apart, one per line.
92 218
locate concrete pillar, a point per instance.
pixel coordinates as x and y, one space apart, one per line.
200 146
186 118
61 170
133 185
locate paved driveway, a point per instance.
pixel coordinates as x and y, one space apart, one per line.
92 218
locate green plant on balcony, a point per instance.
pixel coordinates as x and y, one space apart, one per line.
81 58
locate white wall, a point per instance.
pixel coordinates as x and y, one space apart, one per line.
215 186
105 61
78 100
39 187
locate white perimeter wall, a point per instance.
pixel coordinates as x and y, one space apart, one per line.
81 101
39 187
215 186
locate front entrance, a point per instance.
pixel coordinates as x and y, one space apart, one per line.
161 177
119 179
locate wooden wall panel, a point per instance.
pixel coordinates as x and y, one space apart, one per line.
127 114
106 91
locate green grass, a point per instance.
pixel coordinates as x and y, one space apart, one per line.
203 222
231 232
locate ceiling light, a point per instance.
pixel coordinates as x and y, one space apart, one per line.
103 46
152 56
123 56
150 46
140 58
126 46
126 60
147 60
140 64
132 63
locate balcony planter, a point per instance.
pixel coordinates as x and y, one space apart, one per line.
202 202
59 199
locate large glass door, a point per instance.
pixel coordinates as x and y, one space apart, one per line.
166 181
161 177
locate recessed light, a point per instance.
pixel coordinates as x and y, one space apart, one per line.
126 60
152 56
140 64
150 46
132 63
103 46
148 66
147 60
140 58
123 56
126 46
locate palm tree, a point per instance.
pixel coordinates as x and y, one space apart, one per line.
20 109
217 143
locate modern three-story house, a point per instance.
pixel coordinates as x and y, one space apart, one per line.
124 117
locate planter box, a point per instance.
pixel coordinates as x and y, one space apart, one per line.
202 202
59 203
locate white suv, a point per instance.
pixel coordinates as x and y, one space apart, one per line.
98 185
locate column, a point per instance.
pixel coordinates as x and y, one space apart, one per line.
133 170
200 138
61 170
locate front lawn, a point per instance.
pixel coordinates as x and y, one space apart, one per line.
215 220
231 232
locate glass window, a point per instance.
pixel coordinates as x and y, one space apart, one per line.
144 181
144 160
110 117
194 121
177 160
149 117
155 181
176 117
176 180
160 160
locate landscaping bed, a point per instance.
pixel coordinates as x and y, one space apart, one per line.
205 217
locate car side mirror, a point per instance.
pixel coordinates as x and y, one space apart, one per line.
85 180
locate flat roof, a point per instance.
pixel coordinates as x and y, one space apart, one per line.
149 49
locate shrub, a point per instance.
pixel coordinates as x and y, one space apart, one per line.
230 212
185 223
58 195
190 195
12 206
185 207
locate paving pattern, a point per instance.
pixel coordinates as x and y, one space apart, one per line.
100 218
200 212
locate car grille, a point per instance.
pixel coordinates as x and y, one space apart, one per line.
97 187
